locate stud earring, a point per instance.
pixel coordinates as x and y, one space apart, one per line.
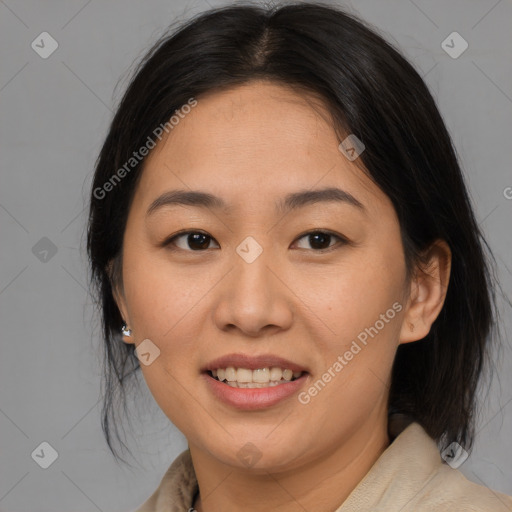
126 331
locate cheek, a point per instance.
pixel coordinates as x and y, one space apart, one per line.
161 308
353 297
158 294
169 388
162 305
362 305
355 375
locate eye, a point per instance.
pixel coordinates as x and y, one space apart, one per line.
320 240
195 240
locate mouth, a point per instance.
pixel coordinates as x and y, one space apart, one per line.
253 382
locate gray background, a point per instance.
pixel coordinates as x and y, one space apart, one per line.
54 116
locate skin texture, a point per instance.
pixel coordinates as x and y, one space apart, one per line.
251 145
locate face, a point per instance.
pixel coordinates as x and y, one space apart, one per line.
263 277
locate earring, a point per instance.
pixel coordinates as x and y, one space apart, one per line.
126 331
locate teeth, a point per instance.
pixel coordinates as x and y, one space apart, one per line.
276 373
230 374
261 375
243 375
252 384
259 378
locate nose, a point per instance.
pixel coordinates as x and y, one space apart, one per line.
253 298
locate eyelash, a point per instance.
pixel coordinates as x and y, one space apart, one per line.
168 242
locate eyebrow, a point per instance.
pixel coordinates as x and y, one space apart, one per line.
292 201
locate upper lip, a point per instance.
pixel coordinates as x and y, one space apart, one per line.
253 362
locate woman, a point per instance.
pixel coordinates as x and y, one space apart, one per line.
280 230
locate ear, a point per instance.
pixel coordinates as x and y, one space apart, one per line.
428 292
119 298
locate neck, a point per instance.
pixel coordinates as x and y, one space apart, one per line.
322 484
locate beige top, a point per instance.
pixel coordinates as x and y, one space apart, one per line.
409 476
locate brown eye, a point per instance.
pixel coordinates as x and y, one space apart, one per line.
190 241
321 240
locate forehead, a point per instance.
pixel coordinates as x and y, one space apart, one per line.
252 143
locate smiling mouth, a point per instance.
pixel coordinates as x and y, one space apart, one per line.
259 378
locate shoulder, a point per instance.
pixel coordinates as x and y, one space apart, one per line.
177 488
446 488
449 490
411 476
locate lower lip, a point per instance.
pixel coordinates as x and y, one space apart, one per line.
253 398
